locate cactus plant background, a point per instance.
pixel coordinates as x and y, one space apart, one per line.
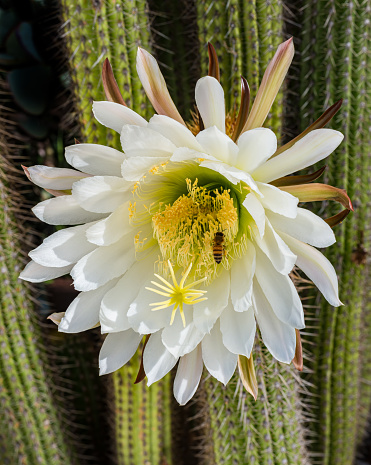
54 408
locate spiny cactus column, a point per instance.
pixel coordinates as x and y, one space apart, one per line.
238 429
99 30
30 429
245 36
142 419
334 58
176 47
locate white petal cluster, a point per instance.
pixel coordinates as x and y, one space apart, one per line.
98 251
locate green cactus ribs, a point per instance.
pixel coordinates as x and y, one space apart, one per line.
237 429
111 30
334 57
29 423
142 418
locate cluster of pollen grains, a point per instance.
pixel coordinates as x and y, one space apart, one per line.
185 230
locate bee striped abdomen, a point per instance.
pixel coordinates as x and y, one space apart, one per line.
218 248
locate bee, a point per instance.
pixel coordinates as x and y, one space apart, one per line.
218 248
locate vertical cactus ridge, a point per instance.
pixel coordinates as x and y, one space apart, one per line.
267 431
78 392
111 30
334 58
175 45
250 46
364 240
270 23
32 427
245 36
214 26
143 431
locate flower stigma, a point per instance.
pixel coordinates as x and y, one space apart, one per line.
178 294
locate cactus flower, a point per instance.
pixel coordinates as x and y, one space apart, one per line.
188 236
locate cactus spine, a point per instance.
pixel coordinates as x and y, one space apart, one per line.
239 430
142 419
333 62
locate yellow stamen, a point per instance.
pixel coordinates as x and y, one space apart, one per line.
185 231
178 294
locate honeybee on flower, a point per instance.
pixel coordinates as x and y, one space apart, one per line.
153 210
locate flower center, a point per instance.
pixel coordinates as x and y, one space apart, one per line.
199 227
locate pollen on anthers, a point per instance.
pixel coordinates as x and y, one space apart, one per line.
178 294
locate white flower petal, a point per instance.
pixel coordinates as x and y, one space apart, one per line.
306 227
238 330
134 168
280 292
102 194
141 316
218 360
179 340
145 142
48 177
174 131
278 201
115 304
231 173
255 208
155 86
188 376
207 312
117 349
64 247
83 312
279 338
104 264
313 147
317 268
64 210
157 360
255 147
112 228
210 102
185 154
218 145
275 249
35 273
115 116
242 273
95 159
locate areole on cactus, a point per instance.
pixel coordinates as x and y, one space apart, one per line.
157 207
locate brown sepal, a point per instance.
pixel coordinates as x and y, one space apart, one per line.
214 70
294 180
298 359
26 172
141 373
243 113
338 218
316 191
325 118
111 89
